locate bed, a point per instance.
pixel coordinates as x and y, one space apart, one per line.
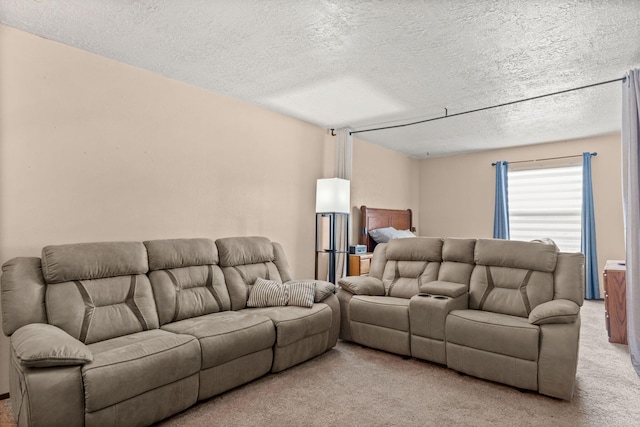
373 218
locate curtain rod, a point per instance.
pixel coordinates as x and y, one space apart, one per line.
447 115
548 158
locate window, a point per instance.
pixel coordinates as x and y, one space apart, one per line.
546 203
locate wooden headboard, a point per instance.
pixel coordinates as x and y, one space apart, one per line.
373 218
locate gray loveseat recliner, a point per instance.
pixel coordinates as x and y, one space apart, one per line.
506 311
130 333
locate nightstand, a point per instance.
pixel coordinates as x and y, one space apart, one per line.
359 264
615 301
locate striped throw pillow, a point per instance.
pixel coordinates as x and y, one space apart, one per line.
267 293
301 294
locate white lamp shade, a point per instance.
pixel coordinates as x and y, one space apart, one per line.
333 195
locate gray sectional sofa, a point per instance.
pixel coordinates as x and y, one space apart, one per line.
505 311
130 333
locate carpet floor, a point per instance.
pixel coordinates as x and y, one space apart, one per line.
355 386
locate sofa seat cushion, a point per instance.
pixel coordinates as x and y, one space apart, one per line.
295 323
493 332
388 312
227 336
130 365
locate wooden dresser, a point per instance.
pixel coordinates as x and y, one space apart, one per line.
359 264
615 301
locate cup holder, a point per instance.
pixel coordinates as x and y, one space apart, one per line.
426 295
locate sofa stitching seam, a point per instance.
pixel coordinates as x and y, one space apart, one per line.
223 333
325 308
491 323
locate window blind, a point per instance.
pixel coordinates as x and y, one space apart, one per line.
546 203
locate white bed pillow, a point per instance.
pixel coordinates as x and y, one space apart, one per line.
402 234
382 235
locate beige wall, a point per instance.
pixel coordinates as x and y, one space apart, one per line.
382 178
457 192
94 150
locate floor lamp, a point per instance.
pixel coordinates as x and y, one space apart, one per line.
333 204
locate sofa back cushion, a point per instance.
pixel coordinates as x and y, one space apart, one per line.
457 260
243 260
378 261
569 277
23 292
80 261
512 277
411 262
280 260
186 280
97 291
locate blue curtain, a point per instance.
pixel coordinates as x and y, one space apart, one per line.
588 239
501 212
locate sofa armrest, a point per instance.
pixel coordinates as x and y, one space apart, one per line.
448 289
324 289
362 285
555 311
39 345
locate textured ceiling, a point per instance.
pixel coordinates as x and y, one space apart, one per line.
362 64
